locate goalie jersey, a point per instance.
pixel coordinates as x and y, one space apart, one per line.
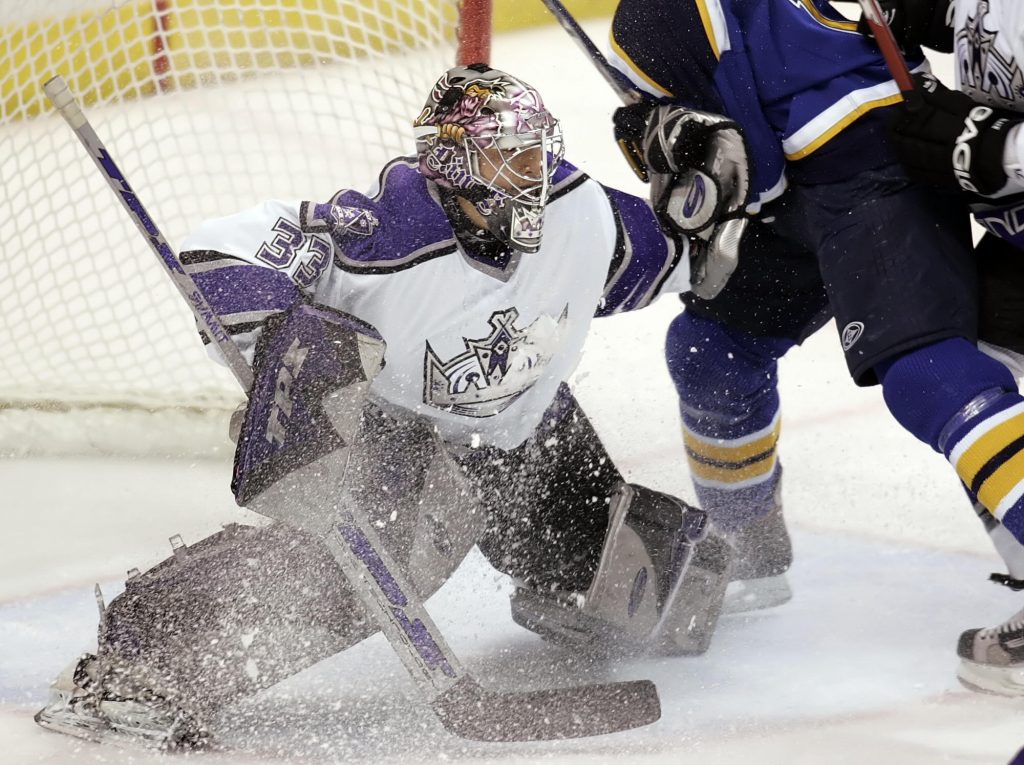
795 74
476 346
989 47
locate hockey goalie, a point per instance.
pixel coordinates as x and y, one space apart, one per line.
410 349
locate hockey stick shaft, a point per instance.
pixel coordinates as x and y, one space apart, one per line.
618 82
460 703
63 100
876 21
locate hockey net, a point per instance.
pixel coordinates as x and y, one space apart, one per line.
209 106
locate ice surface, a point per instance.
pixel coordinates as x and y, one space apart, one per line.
858 668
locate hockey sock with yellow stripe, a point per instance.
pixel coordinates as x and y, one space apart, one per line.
728 397
735 477
966 406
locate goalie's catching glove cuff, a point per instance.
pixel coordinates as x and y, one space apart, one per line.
946 139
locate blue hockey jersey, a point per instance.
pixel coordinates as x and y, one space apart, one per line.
795 74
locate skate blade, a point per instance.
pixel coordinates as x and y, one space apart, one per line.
995 681
746 595
100 731
88 729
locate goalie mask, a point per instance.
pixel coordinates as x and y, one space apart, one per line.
488 137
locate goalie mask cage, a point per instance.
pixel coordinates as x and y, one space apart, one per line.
209 107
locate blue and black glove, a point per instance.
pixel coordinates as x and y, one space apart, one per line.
700 186
944 138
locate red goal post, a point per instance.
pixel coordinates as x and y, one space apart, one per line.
209 106
475 32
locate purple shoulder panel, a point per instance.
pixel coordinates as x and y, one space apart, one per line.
398 227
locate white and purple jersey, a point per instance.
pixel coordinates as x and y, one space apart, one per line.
477 347
989 49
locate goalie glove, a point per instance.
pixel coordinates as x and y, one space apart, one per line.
946 139
700 186
917 22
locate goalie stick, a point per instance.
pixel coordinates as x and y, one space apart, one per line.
462 705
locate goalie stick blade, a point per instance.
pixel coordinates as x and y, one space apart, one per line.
470 711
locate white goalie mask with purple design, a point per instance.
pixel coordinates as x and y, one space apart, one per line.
487 136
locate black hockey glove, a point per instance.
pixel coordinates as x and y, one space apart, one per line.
630 123
917 22
700 186
946 139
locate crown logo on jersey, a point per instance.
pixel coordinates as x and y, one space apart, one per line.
355 220
495 370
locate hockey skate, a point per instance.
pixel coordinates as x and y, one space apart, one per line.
763 554
992 659
658 587
88 702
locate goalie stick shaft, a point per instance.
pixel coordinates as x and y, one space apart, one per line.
460 703
66 105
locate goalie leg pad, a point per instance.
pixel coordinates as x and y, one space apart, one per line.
238 612
230 615
658 587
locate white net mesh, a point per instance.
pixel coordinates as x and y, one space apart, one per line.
208 106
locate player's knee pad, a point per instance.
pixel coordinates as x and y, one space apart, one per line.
658 587
928 390
965 405
546 500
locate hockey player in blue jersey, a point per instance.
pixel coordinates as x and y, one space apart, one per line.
839 230
971 141
425 330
